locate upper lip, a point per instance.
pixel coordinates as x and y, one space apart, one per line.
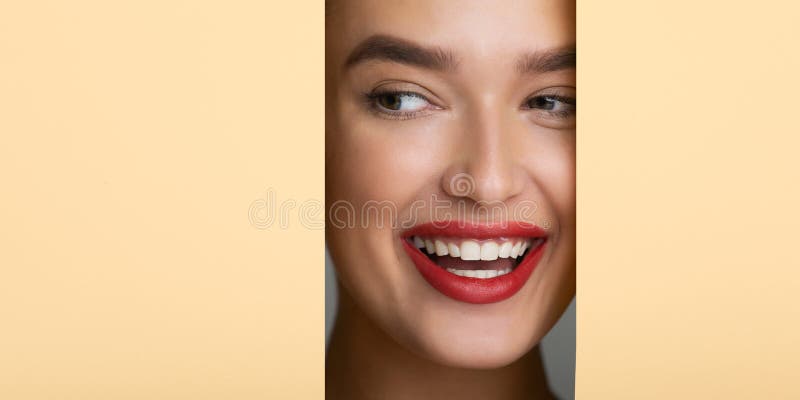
467 229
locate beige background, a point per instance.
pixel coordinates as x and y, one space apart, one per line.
135 137
688 268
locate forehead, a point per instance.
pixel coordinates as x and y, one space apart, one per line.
470 28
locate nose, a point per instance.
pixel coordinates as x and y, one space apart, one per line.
489 167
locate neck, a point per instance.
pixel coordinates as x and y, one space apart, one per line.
365 363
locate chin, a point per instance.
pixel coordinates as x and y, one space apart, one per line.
471 336
498 356
478 350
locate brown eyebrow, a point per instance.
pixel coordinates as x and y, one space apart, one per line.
547 61
389 48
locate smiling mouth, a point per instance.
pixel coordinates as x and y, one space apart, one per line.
475 263
476 258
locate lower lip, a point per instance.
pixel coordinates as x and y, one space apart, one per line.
475 290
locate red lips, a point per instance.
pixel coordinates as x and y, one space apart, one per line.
476 290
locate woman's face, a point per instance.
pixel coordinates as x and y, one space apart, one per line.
450 126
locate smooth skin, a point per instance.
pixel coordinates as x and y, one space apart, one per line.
418 94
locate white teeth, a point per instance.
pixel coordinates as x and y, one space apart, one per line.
429 246
505 250
441 248
454 250
470 250
515 249
478 273
489 251
474 250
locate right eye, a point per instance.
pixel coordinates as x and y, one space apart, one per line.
400 101
399 104
407 102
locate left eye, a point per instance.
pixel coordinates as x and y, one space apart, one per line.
401 102
551 103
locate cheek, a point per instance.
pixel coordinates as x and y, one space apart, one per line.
562 188
376 166
380 160
552 166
